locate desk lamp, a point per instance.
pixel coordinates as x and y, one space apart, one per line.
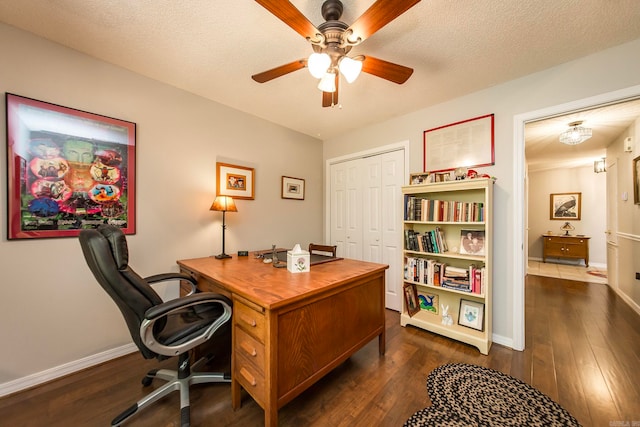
224 204
566 228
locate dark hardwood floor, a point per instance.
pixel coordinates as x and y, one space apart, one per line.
582 350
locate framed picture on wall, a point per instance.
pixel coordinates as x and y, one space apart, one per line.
292 188
564 206
235 181
636 180
68 170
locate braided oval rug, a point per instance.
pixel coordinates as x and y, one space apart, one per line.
469 395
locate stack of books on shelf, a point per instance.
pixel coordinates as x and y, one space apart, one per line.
431 241
420 209
431 272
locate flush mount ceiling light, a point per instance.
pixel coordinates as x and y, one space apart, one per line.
332 40
576 134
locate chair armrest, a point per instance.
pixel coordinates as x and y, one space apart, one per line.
160 311
163 277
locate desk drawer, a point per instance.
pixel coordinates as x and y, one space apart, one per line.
250 379
251 350
249 319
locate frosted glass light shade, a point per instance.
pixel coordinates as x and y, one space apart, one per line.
328 82
576 134
318 64
350 68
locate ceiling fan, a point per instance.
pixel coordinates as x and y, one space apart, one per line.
333 39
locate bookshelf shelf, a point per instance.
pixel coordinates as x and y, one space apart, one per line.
437 229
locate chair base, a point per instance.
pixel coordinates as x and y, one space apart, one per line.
176 381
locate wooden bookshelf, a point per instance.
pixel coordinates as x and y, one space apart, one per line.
463 208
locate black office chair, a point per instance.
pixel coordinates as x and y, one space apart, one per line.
159 329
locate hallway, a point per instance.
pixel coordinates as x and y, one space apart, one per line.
566 271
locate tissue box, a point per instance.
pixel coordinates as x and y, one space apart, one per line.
298 261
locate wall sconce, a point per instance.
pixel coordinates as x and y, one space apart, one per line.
223 204
600 165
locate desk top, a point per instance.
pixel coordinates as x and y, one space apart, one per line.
272 287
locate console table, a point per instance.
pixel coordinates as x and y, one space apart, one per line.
570 247
291 329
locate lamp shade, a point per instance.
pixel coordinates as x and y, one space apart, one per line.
224 204
328 82
567 227
350 68
318 64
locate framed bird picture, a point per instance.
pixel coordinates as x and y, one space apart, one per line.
564 206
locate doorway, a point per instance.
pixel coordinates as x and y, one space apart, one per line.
519 224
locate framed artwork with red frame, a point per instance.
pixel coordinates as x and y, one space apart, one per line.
467 143
67 170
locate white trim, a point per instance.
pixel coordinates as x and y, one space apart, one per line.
518 191
66 369
402 145
502 340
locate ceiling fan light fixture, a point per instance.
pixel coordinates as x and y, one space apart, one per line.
318 64
576 134
350 68
328 82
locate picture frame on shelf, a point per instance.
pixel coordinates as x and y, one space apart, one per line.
292 188
68 170
235 181
471 314
472 242
565 206
429 302
418 178
411 301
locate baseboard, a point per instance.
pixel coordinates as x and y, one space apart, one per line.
630 302
62 370
502 340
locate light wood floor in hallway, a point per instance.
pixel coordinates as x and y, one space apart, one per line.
582 349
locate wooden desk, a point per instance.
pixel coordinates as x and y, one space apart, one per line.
560 246
289 330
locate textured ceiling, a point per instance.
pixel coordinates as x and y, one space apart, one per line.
211 48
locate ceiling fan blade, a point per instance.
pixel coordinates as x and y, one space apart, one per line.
290 15
377 16
330 99
386 70
265 76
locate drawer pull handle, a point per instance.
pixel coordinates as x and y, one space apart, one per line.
247 376
249 321
251 351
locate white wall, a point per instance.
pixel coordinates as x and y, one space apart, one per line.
606 71
593 222
52 311
627 234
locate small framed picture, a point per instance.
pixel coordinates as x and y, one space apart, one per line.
292 188
411 299
418 178
235 181
564 206
428 302
636 181
471 314
472 242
